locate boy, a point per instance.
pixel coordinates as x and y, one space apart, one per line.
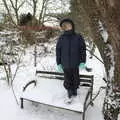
70 55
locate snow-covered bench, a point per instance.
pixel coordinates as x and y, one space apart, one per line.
49 91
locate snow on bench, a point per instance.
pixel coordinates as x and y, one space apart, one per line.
50 91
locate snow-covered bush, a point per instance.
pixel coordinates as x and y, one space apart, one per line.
10 53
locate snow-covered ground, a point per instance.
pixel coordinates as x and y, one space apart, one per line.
9 110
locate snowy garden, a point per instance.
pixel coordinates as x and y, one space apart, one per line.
46 61
31 85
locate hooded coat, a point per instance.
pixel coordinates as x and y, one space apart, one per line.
70 48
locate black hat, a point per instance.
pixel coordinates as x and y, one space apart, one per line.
67 20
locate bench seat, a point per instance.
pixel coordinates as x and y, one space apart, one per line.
51 92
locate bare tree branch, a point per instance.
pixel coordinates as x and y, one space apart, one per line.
43 11
12 4
29 3
15 7
21 5
8 11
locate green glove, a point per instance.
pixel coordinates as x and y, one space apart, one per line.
82 66
60 68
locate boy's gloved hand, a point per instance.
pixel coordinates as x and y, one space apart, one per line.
82 66
60 68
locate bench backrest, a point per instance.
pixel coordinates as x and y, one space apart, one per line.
85 80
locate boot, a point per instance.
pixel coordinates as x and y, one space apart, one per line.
70 93
74 92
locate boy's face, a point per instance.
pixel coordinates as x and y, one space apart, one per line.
66 26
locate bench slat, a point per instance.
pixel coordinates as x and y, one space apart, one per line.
62 78
62 74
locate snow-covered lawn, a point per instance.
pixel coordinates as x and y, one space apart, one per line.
9 110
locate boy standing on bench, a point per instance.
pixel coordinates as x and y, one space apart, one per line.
70 55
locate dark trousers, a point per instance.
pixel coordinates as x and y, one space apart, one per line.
71 76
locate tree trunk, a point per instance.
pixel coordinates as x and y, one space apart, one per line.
108 12
34 11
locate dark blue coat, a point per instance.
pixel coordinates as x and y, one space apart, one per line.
70 50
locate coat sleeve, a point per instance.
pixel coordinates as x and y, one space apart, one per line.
82 50
58 52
